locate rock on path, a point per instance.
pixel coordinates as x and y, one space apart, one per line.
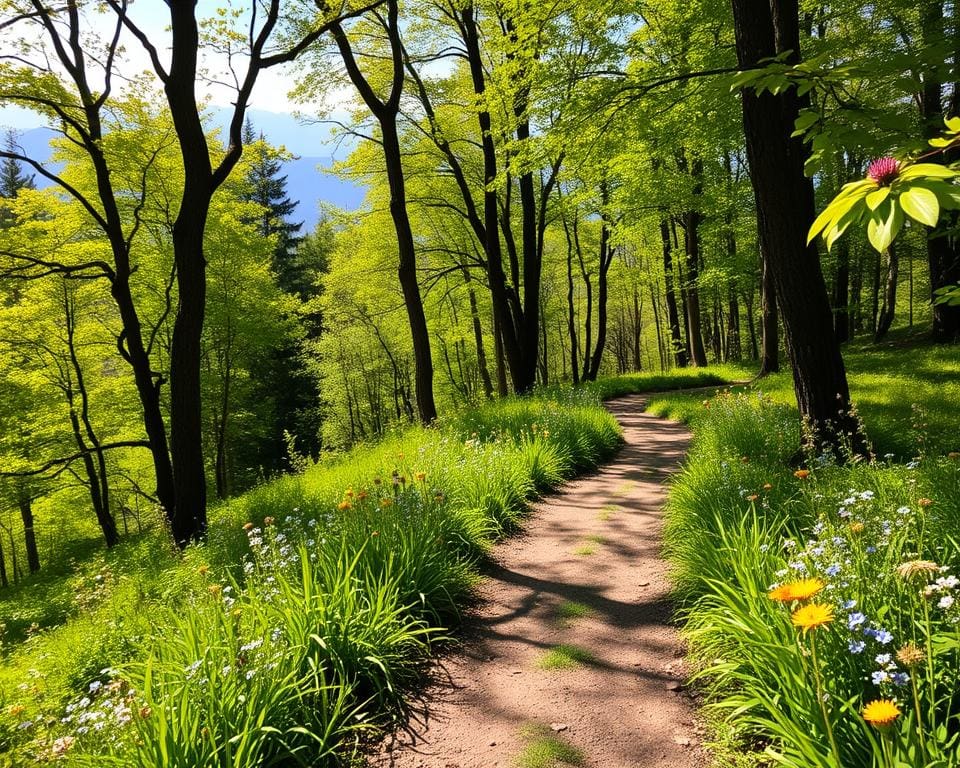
627 709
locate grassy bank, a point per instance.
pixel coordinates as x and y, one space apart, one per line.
295 629
819 603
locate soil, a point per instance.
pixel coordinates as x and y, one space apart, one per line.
597 542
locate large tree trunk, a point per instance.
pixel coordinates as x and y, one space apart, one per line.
943 254
407 272
571 306
785 208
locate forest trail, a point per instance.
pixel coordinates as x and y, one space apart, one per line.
595 544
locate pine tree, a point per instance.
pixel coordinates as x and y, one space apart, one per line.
269 190
12 179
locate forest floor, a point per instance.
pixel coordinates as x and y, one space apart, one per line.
570 657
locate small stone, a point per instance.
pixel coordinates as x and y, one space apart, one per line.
559 727
644 584
683 741
674 685
493 743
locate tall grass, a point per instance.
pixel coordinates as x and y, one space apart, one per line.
879 543
299 625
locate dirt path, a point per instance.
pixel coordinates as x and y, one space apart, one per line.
595 544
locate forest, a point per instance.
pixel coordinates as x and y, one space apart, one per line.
252 474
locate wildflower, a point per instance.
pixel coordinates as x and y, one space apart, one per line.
884 171
945 583
856 528
752 497
883 659
16 710
361 496
833 570
344 505
953 455
248 526
214 589
268 521
145 712
910 656
767 487
203 570
881 713
854 620
802 474
420 476
796 590
880 676
812 615
856 646
386 502
882 636
946 602
924 502
900 679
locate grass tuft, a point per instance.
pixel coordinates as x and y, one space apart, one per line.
547 750
566 656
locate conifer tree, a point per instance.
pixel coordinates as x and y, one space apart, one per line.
12 178
268 188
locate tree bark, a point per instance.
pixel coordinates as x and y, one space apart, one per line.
691 240
785 208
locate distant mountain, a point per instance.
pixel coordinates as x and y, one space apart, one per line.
307 182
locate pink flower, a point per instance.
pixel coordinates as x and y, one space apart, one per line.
884 170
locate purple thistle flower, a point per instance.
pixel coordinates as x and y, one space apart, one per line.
884 170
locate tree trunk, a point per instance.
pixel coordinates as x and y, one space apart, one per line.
478 336
606 259
889 308
691 240
25 503
943 255
785 208
673 315
407 272
734 347
502 389
770 341
571 305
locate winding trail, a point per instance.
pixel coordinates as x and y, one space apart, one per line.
596 543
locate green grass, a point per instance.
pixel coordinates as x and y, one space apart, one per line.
886 382
291 641
569 610
739 521
607 512
545 749
565 656
585 550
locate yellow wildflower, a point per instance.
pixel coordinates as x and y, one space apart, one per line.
881 712
811 616
796 590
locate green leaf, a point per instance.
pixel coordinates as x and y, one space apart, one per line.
920 204
953 124
875 198
930 170
884 225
